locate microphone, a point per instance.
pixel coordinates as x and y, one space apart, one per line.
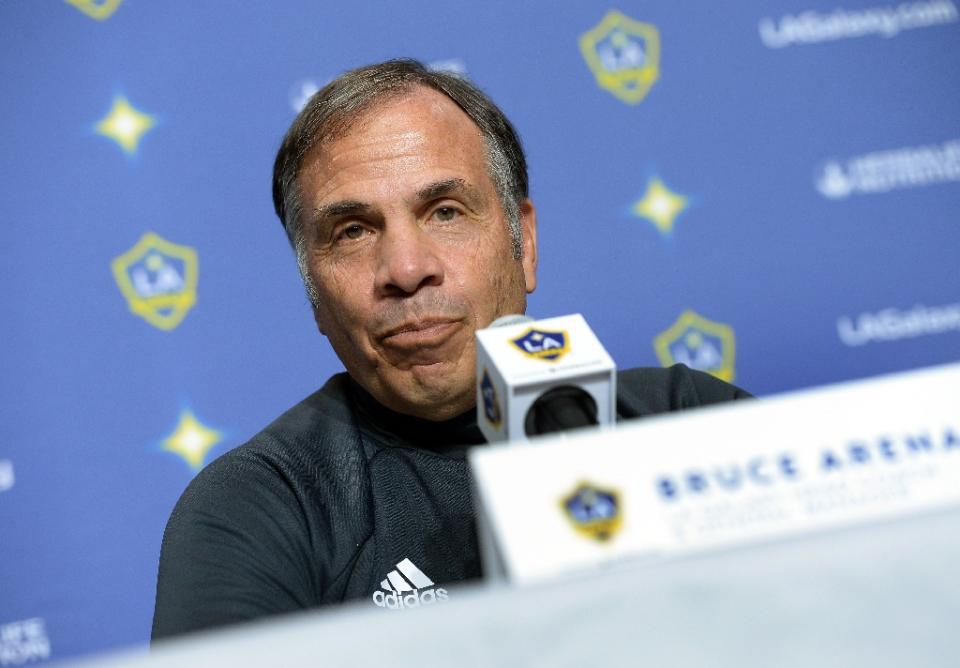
542 376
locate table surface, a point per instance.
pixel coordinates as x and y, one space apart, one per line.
885 594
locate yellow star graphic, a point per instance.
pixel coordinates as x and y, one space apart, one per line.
191 439
660 205
125 124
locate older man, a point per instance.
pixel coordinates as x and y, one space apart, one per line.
404 194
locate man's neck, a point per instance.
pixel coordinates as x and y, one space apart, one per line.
447 436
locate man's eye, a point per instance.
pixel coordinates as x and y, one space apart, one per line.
445 213
352 232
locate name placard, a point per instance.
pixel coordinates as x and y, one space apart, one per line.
720 476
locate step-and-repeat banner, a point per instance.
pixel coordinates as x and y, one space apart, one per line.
767 193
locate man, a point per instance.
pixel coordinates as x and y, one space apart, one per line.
404 194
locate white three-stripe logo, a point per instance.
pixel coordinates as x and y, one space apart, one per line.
411 576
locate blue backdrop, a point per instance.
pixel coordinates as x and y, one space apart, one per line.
767 193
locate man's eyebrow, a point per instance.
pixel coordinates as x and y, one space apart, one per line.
328 212
334 210
442 188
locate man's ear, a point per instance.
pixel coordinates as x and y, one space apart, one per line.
528 226
316 319
315 307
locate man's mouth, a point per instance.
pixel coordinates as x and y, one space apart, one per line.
420 334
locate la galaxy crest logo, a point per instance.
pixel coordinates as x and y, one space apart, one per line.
699 343
593 511
543 344
100 10
491 404
158 278
624 56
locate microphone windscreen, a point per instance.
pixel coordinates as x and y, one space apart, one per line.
559 409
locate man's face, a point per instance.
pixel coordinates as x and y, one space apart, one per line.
408 247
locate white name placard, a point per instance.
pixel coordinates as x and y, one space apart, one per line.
719 476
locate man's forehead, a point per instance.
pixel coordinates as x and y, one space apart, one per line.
396 111
420 138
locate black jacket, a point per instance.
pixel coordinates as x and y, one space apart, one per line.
321 505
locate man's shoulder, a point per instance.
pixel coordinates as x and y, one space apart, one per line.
648 391
313 444
268 526
322 420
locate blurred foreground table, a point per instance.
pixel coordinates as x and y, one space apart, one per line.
879 595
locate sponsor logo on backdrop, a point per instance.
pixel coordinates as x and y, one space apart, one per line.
407 587
659 206
883 171
191 440
893 324
593 511
491 403
158 278
813 27
23 642
125 124
699 343
7 477
302 91
100 10
624 56
543 344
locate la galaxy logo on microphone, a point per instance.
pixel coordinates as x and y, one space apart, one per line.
543 344
491 404
593 511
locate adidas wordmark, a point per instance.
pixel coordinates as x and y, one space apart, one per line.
407 587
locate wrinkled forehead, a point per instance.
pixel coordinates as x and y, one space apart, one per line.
400 105
420 127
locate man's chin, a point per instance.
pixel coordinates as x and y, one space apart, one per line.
431 391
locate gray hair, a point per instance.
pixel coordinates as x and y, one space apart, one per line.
330 113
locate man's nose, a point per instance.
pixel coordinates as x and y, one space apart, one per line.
407 260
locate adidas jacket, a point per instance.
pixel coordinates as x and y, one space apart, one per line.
340 497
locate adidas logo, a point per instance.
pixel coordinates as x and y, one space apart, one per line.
406 587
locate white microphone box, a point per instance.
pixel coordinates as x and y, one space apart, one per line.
518 363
